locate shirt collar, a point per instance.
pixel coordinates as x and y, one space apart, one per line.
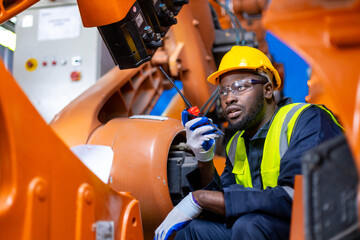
262 132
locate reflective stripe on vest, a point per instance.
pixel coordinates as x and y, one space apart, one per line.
239 160
276 144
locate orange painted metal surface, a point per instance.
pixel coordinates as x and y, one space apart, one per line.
141 149
219 163
175 107
297 225
195 31
119 93
53 190
96 13
250 13
45 191
223 18
9 9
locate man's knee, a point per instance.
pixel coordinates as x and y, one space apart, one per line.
203 230
195 229
246 227
259 226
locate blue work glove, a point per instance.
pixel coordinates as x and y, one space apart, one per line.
200 137
181 215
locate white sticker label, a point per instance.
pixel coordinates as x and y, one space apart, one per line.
139 20
27 21
149 117
97 158
59 23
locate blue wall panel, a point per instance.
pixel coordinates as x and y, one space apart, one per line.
295 83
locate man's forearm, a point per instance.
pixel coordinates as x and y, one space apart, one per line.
207 170
212 201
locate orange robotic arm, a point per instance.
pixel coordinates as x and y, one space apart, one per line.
93 13
9 9
131 29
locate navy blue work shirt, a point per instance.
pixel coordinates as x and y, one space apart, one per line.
313 127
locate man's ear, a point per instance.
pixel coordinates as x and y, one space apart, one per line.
268 90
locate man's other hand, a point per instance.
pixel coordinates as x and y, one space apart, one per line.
178 218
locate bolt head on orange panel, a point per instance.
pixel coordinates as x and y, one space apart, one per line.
41 191
88 195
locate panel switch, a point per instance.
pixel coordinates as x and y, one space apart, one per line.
75 76
76 61
31 64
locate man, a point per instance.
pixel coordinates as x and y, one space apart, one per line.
254 193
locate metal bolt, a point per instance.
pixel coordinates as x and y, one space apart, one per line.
88 196
195 22
40 191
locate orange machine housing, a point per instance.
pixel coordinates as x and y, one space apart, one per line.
141 150
96 13
45 191
9 9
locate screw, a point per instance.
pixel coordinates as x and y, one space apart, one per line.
88 195
40 191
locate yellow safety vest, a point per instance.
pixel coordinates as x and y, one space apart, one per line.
276 144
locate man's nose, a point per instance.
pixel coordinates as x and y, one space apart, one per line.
230 98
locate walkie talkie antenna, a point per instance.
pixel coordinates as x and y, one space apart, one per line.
188 104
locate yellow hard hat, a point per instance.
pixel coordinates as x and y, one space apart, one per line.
243 57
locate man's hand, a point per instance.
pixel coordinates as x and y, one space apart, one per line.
200 137
178 218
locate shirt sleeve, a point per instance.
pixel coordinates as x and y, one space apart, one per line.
314 126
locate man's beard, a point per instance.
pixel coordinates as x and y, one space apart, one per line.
252 118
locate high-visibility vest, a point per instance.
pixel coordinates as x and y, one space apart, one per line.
276 144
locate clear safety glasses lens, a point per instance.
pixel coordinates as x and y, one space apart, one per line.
239 87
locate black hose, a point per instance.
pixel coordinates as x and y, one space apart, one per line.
236 23
212 103
211 97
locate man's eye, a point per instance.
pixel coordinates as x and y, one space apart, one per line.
239 87
223 92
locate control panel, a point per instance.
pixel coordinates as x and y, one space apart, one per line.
56 58
133 40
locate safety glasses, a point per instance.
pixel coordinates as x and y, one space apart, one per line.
239 87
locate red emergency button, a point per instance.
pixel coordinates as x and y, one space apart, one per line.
75 76
53 63
44 63
31 64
